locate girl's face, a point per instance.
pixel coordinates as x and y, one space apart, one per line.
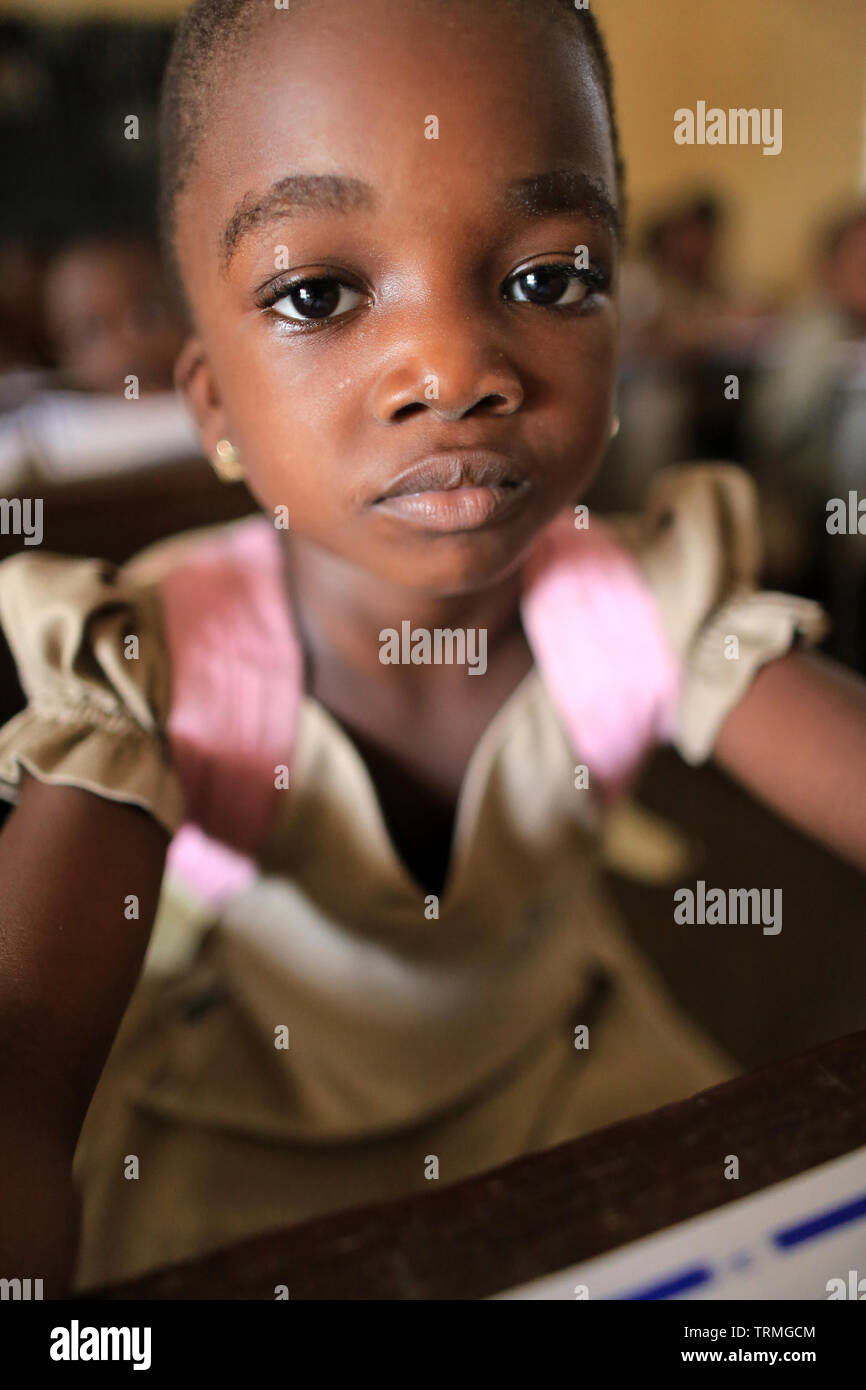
380 247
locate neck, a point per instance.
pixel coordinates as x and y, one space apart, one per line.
342 609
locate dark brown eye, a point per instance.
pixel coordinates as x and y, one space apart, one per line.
316 299
548 285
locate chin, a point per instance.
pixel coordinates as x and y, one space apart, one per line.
448 566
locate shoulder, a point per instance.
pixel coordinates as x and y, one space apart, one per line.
86 679
150 566
133 675
62 617
43 593
698 544
697 541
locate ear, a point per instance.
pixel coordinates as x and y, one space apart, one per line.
194 379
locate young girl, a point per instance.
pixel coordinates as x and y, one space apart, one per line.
397 227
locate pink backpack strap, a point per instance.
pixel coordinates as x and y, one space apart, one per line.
592 622
237 681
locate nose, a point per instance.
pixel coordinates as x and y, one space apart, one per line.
447 363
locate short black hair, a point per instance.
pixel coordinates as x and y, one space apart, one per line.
206 35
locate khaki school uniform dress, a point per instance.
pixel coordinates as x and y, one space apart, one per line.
417 1045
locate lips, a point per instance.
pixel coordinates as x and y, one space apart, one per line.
445 472
458 491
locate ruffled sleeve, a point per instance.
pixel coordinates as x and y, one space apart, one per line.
91 659
699 545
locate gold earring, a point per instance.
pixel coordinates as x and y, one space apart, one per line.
614 428
226 462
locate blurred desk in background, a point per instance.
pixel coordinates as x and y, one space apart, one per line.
550 1210
114 517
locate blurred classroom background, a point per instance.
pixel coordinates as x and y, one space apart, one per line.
738 264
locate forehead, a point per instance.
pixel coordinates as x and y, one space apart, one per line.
361 91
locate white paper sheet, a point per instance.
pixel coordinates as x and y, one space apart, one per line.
787 1241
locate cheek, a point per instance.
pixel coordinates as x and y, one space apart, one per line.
582 386
282 417
582 395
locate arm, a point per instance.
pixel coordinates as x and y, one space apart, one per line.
69 959
797 741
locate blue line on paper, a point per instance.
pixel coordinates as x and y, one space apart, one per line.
674 1284
820 1224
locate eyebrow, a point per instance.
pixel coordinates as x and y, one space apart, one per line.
535 195
291 196
564 190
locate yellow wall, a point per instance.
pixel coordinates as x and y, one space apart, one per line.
807 58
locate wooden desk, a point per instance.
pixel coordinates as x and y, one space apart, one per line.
114 517
549 1210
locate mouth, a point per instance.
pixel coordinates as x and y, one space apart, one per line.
460 491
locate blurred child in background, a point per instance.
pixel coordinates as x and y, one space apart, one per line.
113 329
